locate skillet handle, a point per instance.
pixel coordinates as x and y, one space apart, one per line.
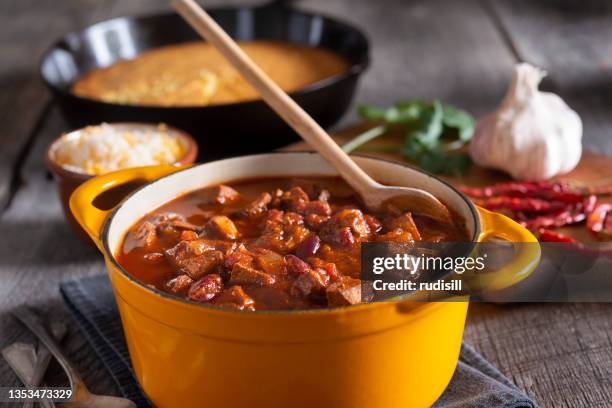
92 218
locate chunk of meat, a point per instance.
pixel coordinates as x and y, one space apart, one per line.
277 196
195 258
282 231
316 207
201 265
225 247
396 235
310 187
169 223
329 267
315 221
345 228
258 206
353 218
201 245
179 285
347 261
276 217
310 283
373 223
189 235
294 199
339 236
246 275
189 248
297 201
269 261
235 298
406 223
146 234
206 288
346 291
220 194
221 227
241 255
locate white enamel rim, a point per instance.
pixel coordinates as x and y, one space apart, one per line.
281 164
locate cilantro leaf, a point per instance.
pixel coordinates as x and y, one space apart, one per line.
430 128
460 120
400 113
371 112
364 138
443 163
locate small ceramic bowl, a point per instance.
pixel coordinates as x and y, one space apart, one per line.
68 179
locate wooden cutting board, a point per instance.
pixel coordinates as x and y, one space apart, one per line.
593 169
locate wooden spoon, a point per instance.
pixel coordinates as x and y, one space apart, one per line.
374 195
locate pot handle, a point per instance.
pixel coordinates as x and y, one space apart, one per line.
526 259
494 225
92 218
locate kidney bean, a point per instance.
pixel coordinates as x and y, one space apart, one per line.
295 265
308 247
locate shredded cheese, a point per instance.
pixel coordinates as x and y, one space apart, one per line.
101 149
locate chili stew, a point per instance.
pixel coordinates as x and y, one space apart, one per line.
268 244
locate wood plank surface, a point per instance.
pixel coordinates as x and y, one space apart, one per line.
456 51
560 354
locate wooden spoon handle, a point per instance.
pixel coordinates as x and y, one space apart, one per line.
274 96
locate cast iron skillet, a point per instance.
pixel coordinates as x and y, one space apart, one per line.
221 130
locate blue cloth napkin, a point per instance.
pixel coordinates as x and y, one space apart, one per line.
475 384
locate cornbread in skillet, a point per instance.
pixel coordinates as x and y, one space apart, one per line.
195 74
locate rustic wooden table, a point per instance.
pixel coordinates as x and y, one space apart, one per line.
461 52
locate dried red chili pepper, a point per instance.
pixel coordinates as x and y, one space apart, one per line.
514 189
599 222
542 205
589 203
567 216
546 235
560 191
564 196
520 204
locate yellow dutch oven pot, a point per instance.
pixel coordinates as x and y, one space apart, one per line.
385 354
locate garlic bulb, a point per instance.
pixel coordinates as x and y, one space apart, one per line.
532 135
